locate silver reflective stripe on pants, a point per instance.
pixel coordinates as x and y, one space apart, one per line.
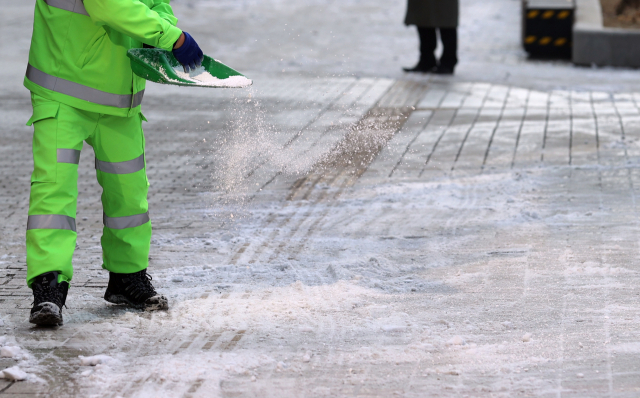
76 6
51 221
68 156
82 92
125 222
128 167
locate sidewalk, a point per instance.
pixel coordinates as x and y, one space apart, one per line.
356 236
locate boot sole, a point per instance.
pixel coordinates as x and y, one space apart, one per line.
155 303
49 315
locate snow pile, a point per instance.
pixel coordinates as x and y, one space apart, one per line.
10 352
95 360
25 367
456 340
13 373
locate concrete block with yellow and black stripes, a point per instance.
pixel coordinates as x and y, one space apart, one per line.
547 27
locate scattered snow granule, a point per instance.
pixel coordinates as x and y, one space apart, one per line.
507 325
580 375
86 373
14 373
526 338
94 360
9 352
177 279
253 378
456 340
305 329
307 356
394 328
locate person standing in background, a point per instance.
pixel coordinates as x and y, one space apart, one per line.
429 16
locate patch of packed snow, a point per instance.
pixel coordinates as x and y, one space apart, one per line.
456 340
10 351
13 373
95 360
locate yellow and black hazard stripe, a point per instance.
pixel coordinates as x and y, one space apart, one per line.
546 41
549 14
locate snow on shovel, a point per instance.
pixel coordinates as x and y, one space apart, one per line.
160 66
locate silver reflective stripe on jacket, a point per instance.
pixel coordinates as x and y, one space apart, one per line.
76 6
82 92
51 221
68 156
128 167
125 222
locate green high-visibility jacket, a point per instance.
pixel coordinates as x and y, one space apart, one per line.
78 52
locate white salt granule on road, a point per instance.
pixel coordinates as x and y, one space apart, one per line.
203 78
95 360
456 340
9 352
13 373
307 356
393 328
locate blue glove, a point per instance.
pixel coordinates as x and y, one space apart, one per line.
189 54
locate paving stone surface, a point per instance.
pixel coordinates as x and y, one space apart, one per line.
340 234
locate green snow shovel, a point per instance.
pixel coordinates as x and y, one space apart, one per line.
162 67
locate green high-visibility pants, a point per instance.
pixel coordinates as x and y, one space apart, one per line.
118 143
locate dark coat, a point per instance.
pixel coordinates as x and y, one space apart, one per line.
432 13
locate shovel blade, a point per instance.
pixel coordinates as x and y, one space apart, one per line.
160 66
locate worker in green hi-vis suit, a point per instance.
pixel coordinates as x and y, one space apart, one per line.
83 89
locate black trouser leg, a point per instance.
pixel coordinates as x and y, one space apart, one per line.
427 47
449 37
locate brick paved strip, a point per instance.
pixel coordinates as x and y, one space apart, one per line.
500 152
433 97
392 154
611 147
530 140
584 150
456 94
557 134
420 150
473 152
447 149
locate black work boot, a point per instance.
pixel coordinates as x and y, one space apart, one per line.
134 290
48 298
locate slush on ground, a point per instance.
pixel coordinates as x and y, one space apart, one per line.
342 229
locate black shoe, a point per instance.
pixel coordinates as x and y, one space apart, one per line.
48 298
420 68
443 70
134 290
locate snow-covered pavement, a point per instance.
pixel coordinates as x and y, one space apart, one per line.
370 235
